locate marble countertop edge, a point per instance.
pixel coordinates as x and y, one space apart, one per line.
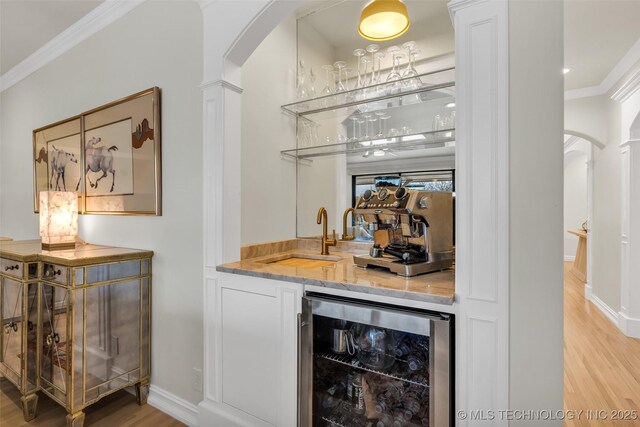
415 296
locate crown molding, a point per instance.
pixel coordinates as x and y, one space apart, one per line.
615 75
106 13
629 143
584 92
628 88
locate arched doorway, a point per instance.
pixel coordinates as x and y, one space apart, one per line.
578 183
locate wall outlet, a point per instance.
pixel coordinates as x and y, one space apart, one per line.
196 379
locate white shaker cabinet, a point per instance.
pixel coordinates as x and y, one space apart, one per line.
251 339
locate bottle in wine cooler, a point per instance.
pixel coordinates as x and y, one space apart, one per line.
403 348
385 420
390 397
350 386
423 415
416 360
333 396
398 418
411 404
358 394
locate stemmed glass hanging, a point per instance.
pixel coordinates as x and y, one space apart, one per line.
378 57
340 65
372 49
359 53
301 88
312 83
328 70
410 74
394 86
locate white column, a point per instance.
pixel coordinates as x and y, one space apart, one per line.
482 209
629 315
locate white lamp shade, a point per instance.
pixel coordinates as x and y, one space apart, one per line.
58 219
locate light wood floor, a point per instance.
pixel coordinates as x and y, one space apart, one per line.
117 410
601 364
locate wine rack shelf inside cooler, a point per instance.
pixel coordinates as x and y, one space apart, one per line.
353 361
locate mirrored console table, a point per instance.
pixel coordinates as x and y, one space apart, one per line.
75 323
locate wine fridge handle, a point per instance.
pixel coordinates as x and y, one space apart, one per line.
305 374
299 408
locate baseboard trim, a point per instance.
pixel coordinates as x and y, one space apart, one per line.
588 291
605 309
173 405
570 258
629 325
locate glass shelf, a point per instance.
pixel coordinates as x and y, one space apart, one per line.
348 360
416 141
433 85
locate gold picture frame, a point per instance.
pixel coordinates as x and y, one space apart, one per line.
110 155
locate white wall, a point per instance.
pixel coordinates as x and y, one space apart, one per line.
269 182
535 203
159 43
575 198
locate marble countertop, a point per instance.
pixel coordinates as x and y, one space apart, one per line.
258 261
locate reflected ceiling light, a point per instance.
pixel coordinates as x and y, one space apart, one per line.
379 153
565 70
383 20
451 105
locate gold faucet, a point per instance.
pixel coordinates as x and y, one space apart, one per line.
345 235
326 242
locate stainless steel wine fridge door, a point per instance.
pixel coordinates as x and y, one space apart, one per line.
321 344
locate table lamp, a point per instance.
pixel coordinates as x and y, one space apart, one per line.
58 219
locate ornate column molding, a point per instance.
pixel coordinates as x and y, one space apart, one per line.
482 204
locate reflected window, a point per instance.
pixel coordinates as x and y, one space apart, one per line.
439 180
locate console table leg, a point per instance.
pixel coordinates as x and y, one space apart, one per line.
29 405
142 392
76 419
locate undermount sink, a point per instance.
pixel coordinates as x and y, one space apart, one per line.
303 260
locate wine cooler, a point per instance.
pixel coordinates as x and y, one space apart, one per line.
364 364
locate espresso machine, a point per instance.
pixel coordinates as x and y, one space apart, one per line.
413 230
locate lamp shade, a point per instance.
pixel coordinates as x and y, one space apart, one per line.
384 20
58 219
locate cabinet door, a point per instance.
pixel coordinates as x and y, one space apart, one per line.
12 303
259 347
54 315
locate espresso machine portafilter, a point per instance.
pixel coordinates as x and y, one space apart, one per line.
413 230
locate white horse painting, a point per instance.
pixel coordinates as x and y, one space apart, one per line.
99 159
59 161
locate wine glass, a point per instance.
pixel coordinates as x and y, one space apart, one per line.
301 89
366 118
380 115
340 65
355 120
372 120
328 70
394 86
359 53
378 57
372 49
312 81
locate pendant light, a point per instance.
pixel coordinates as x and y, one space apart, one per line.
384 20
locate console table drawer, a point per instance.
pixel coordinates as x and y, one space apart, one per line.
55 273
11 267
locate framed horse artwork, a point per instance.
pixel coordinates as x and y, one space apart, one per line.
57 151
110 155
